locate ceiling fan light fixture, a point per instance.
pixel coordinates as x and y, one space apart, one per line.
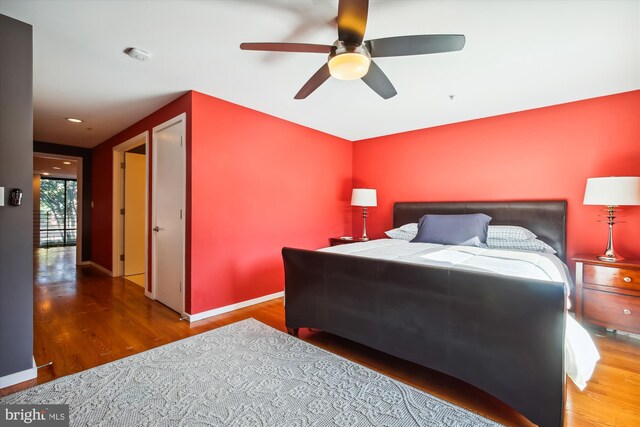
350 55
349 66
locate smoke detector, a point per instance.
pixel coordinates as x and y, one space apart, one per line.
138 54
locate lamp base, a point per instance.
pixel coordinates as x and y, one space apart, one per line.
610 258
364 224
609 253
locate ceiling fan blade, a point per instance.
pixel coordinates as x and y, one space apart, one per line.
287 47
314 82
352 20
379 82
415 45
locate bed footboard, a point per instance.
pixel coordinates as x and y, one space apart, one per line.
501 334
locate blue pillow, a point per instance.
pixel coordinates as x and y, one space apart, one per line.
463 230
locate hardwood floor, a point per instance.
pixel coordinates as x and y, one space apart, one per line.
84 318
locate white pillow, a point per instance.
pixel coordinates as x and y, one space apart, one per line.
534 245
502 236
509 232
396 233
406 232
412 227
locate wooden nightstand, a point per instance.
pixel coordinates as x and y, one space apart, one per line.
608 293
335 241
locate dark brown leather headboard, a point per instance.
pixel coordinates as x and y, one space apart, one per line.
547 219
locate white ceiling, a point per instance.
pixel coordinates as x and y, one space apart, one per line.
55 167
519 55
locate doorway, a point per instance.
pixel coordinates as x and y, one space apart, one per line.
130 200
169 190
135 170
57 206
58 212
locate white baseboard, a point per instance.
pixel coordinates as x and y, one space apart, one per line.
19 377
101 268
148 294
232 307
625 333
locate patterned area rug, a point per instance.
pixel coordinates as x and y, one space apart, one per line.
243 374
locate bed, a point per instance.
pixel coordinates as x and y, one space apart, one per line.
500 333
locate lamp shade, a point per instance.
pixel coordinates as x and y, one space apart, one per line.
364 197
613 191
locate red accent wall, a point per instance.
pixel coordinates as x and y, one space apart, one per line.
547 153
255 183
102 177
258 183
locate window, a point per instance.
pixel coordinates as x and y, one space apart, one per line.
58 212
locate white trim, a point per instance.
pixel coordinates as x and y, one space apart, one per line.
232 307
146 216
154 179
116 218
101 268
117 202
20 377
625 333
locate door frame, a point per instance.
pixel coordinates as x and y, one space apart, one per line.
118 201
80 200
154 179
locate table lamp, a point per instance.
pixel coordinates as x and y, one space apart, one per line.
364 197
612 192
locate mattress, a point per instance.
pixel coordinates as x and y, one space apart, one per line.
581 354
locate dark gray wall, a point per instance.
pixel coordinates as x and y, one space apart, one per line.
16 171
85 153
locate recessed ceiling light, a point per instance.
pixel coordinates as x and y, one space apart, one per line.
45 173
56 168
67 163
74 120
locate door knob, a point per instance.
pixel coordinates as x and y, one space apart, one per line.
156 228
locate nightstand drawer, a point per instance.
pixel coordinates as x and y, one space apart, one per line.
611 310
626 278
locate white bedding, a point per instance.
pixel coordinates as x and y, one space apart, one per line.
581 354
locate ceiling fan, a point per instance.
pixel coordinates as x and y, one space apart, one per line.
350 57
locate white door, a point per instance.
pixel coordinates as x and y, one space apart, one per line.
134 213
168 202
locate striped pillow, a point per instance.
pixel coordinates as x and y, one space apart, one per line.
509 232
533 245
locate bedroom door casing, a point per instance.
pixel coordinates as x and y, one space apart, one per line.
169 166
119 208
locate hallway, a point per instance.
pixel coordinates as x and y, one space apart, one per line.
54 265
